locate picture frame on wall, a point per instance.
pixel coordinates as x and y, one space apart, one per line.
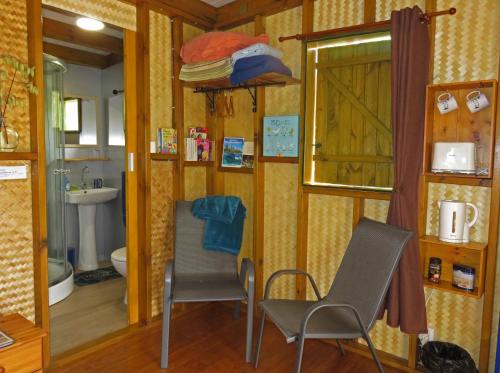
280 136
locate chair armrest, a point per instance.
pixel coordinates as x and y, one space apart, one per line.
247 269
168 278
282 272
320 305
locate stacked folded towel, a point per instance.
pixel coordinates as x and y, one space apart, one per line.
235 56
206 70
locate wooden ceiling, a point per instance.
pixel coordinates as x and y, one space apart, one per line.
232 14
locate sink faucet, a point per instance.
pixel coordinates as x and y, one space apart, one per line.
85 170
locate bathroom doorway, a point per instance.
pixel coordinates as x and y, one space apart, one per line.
85 146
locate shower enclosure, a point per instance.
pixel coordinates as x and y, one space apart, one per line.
60 271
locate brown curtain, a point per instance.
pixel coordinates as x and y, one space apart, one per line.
405 301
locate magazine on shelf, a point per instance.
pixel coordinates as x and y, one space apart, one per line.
232 152
5 340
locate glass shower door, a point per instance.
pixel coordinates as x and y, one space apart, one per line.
59 269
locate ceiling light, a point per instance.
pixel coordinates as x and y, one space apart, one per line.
89 24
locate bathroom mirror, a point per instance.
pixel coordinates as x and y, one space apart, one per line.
80 121
116 128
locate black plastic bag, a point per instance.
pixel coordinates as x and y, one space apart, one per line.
443 357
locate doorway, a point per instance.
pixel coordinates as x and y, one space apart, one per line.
87 179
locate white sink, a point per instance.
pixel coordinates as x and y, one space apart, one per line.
91 196
87 200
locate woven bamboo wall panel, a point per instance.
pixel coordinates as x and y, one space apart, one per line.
195 185
280 224
456 319
330 14
240 185
376 209
160 72
14 37
17 292
288 22
385 7
467 43
114 12
388 339
162 227
329 232
480 196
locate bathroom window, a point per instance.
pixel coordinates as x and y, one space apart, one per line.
348 136
72 115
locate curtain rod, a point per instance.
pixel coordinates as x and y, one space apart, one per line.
426 17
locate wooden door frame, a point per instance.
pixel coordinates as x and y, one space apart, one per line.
135 179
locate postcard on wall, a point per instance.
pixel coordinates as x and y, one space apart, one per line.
232 152
281 136
248 154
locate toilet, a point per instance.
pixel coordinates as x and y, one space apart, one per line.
119 260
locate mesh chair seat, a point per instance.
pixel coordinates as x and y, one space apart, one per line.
287 315
207 288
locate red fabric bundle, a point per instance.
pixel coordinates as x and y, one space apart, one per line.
217 45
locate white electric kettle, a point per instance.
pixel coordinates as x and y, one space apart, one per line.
453 223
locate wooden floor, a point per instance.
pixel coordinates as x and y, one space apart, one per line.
90 312
208 339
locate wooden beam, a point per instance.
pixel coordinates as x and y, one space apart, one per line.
258 180
72 34
243 11
369 11
38 182
303 198
194 12
76 56
370 117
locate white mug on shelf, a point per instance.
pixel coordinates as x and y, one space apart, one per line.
476 101
446 102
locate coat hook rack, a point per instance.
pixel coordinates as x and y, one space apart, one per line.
211 92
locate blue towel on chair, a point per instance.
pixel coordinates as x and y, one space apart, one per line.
224 216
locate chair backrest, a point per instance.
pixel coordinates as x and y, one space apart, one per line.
367 267
190 256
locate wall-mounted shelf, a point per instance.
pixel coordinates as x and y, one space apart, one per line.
198 163
86 159
163 157
212 87
457 179
461 125
242 170
18 156
279 159
472 254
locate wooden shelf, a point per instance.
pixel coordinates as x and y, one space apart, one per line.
18 156
198 163
472 254
242 170
479 246
447 286
163 157
279 159
86 159
461 125
268 79
457 179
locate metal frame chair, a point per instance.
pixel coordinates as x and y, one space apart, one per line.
351 306
199 275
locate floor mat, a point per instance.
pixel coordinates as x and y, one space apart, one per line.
95 276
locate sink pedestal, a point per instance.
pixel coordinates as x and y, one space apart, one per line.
88 254
87 200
